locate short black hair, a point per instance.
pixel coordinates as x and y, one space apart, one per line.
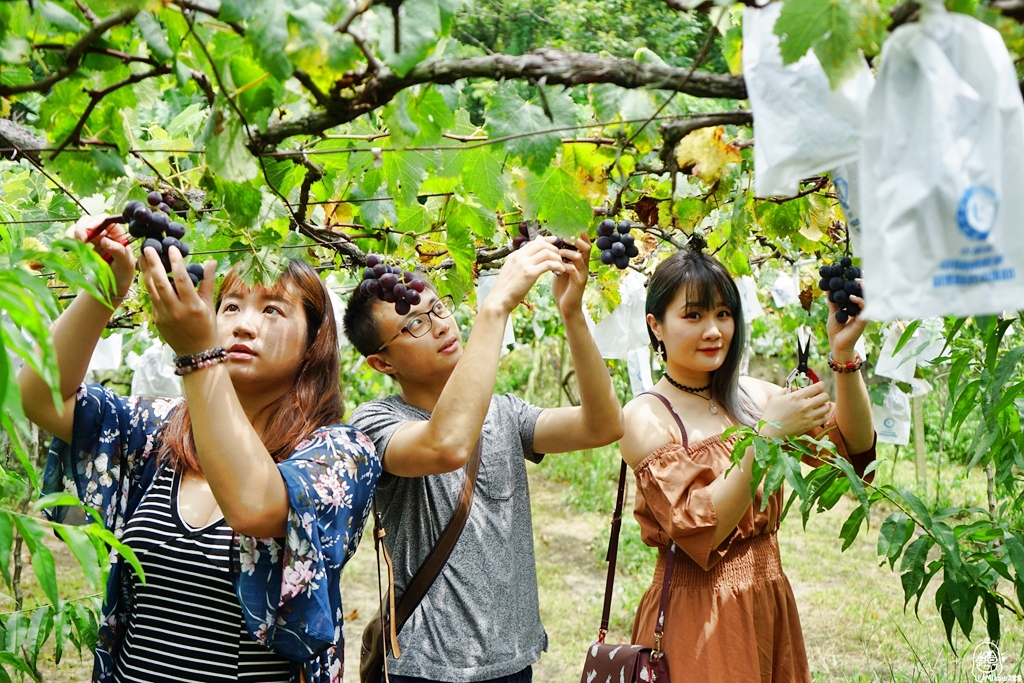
361 325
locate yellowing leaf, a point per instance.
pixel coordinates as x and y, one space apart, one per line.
706 153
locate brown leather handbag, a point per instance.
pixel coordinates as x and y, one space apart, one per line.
619 662
389 619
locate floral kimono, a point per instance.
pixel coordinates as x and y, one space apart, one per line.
288 588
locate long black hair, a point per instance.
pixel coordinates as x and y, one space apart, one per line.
707 285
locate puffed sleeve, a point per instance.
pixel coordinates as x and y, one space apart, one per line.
111 433
830 430
673 501
289 588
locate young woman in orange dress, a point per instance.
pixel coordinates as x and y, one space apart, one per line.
731 614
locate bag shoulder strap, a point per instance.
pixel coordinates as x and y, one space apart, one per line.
613 549
668 404
438 556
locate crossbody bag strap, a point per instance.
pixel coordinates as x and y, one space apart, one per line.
438 557
613 549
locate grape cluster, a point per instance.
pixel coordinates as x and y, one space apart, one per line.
524 236
616 243
154 225
390 284
840 281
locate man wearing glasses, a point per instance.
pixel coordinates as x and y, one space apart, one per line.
480 619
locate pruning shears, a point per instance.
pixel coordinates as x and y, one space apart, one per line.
802 375
102 228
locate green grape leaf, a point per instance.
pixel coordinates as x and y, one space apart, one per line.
554 199
242 202
405 172
419 27
432 116
257 94
61 18
267 35
479 220
510 115
482 176
153 33
826 26
236 10
226 153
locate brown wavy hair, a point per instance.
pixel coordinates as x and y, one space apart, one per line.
315 398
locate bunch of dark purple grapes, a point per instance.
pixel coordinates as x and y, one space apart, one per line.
840 281
390 284
154 224
524 236
616 243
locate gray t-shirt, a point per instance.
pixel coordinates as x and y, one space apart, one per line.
480 619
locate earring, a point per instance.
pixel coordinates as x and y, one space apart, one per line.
661 352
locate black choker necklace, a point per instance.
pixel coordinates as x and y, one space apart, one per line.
693 390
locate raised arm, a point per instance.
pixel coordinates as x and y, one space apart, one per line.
75 334
241 473
853 406
444 442
597 421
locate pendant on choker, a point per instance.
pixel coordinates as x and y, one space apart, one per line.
695 391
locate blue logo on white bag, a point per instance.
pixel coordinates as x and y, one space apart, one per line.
842 192
976 214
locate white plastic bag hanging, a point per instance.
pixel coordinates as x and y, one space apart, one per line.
626 327
892 418
154 372
846 181
801 126
942 171
748 298
784 291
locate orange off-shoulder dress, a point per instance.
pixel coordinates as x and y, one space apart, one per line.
731 613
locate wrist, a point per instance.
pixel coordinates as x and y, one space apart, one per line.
573 313
844 366
841 355
492 309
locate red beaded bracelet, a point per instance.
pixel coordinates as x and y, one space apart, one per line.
850 366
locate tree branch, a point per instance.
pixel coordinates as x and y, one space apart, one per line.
672 133
73 54
116 54
95 96
557 67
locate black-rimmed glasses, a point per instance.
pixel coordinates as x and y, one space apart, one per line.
419 325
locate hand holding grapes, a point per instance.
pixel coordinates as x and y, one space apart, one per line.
843 283
521 270
185 316
107 242
568 289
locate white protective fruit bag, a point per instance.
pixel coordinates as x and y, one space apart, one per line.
801 126
942 173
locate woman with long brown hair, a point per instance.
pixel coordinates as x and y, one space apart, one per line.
730 613
242 501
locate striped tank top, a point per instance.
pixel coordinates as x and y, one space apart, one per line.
186 623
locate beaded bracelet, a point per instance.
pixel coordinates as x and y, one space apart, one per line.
183 365
850 366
